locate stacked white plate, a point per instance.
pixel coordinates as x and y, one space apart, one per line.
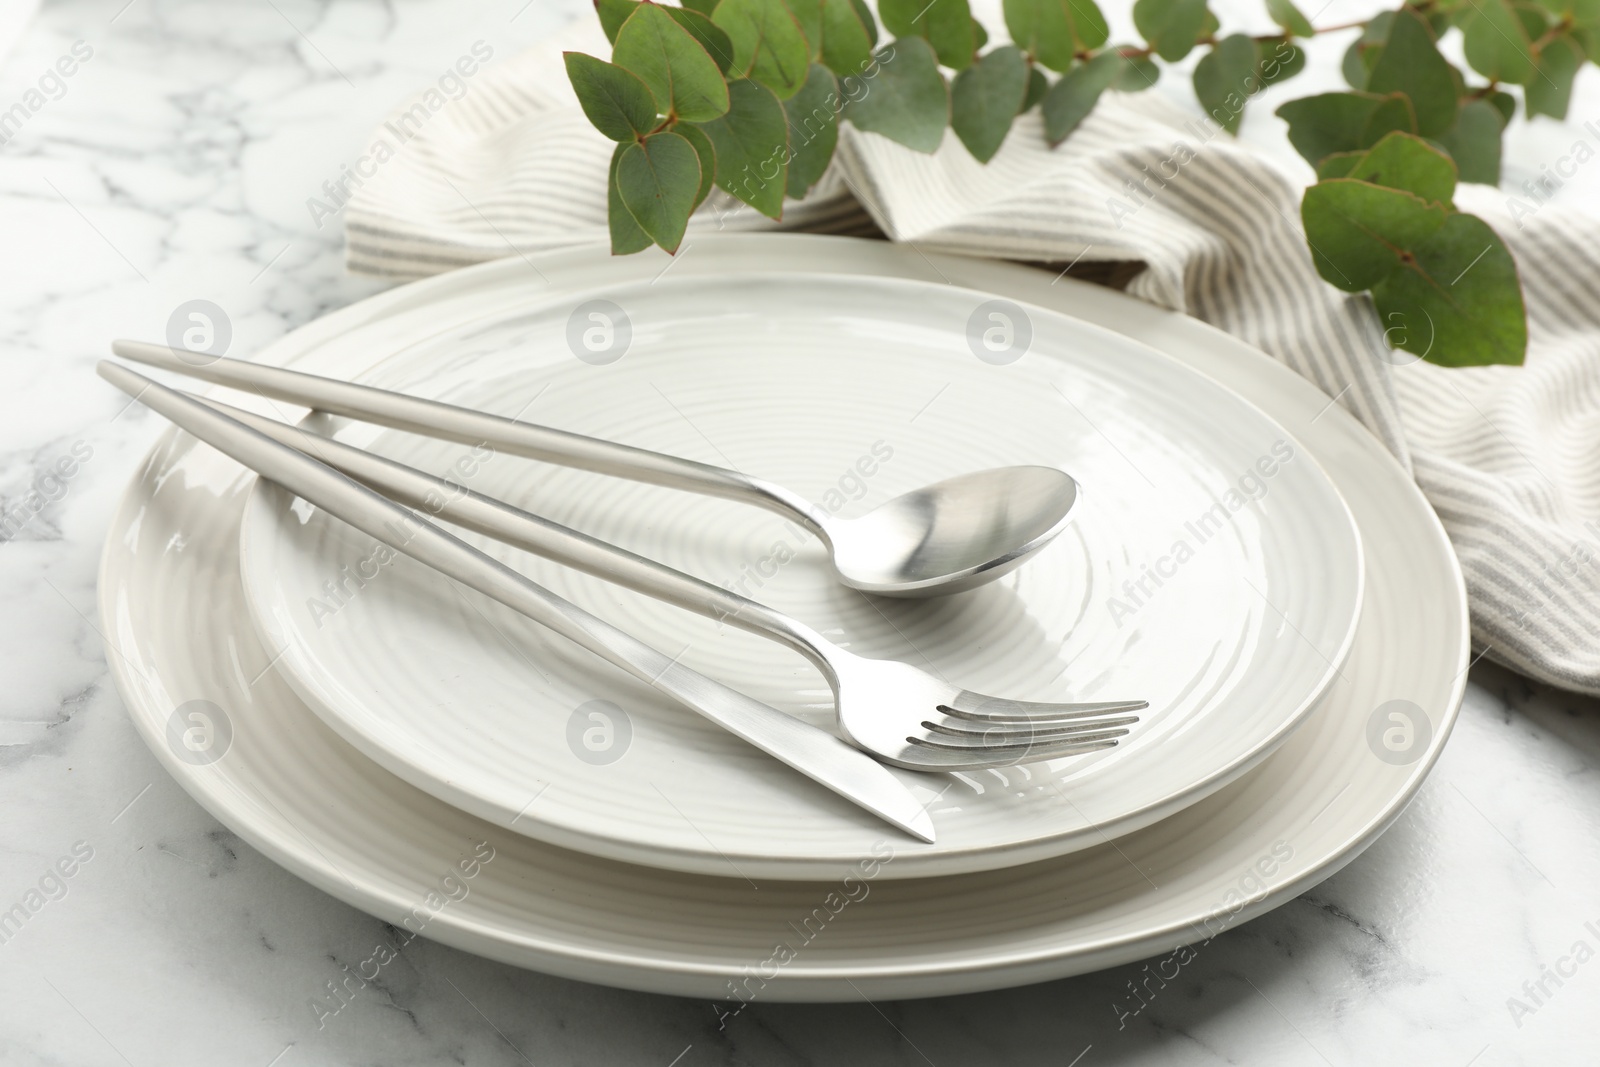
1245 557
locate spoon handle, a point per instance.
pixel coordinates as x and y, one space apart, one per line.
464 507
447 422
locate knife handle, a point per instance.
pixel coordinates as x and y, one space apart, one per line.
815 753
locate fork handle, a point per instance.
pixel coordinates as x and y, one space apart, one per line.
457 504
431 418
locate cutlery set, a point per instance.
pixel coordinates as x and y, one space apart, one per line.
944 538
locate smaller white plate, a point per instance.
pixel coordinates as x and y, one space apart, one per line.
1212 569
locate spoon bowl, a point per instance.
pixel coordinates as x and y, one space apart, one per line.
955 534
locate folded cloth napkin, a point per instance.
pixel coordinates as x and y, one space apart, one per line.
1508 456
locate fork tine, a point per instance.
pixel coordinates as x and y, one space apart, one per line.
979 743
979 708
1051 740
966 758
1022 733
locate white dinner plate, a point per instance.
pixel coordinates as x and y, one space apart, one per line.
1211 569
268 768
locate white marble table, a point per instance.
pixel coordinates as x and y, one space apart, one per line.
175 166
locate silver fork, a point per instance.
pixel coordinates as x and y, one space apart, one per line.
902 714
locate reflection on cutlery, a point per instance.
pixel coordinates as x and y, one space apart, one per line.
943 538
813 752
899 713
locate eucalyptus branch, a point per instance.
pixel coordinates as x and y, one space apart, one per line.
1360 24
748 96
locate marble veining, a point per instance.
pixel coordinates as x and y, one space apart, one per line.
175 166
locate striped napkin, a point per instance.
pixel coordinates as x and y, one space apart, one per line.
505 163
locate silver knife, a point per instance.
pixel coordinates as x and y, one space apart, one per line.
813 752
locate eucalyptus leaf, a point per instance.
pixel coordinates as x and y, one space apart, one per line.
1285 14
985 98
1038 85
1496 42
1410 63
768 44
1457 301
864 13
1074 95
1358 62
1392 113
1225 78
846 43
808 15
952 31
900 16
680 74
1053 32
626 235
946 24
907 100
1402 161
1280 61
612 14
752 146
708 33
616 102
1365 50
1504 103
1172 27
1338 165
980 36
1327 123
1358 231
1535 22
1049 43
1474 143
1136 74
1589 38
813 118
1549 91
1088 23
708 158
658 178
704 7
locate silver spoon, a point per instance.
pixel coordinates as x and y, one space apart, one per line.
943 538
